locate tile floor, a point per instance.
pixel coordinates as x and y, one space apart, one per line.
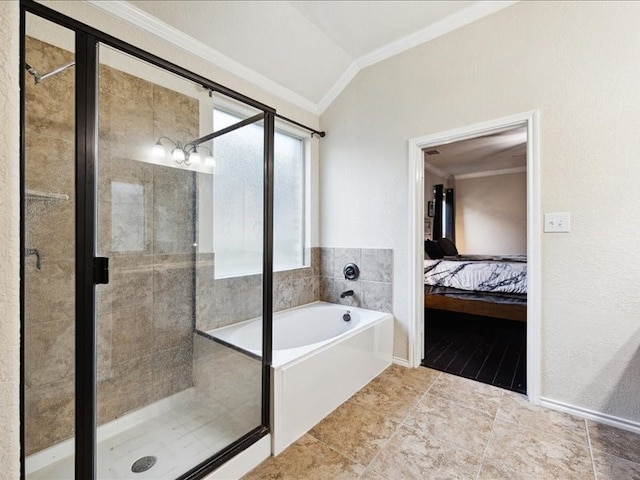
424 424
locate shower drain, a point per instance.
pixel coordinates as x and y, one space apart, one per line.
143 464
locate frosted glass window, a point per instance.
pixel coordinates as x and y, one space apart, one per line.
238 191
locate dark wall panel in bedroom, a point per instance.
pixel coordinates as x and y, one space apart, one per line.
450 216
438 191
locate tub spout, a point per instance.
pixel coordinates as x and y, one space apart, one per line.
347 293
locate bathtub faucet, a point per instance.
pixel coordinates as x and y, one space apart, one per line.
347 293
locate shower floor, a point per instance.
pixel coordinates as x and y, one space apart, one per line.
180 438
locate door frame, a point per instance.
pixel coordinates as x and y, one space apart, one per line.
530 120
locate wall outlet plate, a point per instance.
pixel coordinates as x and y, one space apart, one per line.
557 222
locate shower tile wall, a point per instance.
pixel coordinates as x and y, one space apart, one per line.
49 292
146 227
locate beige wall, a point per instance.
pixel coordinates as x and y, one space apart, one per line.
491 214
577 63
9 242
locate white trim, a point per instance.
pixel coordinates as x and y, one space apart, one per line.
490 173
436 171
468 15
139 18
416 217
400 361
610 420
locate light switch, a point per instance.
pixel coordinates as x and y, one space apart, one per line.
557 222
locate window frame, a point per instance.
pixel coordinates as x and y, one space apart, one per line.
241 111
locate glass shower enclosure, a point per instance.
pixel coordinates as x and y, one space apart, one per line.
121 375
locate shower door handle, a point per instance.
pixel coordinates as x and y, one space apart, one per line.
100 270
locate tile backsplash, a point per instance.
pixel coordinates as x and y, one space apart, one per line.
374 287
236 299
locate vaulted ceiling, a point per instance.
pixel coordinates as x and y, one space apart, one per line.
304 51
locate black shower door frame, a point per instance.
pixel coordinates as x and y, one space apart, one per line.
87 42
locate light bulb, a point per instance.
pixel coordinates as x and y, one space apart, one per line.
194 157
178 154
209 160
158 150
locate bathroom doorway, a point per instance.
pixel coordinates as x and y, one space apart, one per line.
475 258
417 146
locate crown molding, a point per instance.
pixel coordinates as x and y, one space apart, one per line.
459 19
491 173
123 10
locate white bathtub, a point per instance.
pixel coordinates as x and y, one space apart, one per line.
319 360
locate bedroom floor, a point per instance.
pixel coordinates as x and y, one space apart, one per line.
487 350
423 424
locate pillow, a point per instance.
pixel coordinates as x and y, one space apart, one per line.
433 249
448 247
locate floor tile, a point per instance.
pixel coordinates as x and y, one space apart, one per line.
371 475
307 459
419 378
412 455
528 454
615 441
610 467
452 422
516 409
468 392
354 431
391 400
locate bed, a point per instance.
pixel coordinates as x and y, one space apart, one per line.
491 286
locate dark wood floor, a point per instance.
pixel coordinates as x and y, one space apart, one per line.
488 350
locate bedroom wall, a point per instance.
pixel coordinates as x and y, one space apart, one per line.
491 214
577 63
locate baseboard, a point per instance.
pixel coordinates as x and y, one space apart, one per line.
401 361
610 420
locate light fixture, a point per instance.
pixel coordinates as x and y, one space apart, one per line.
182 153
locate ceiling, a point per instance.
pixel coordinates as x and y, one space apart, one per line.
505 150
304 51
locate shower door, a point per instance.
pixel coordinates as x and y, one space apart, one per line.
122 375
173 394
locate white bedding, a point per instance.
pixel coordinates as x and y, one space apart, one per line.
482 276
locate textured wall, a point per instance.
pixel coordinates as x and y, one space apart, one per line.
9 242
491 214
577 63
